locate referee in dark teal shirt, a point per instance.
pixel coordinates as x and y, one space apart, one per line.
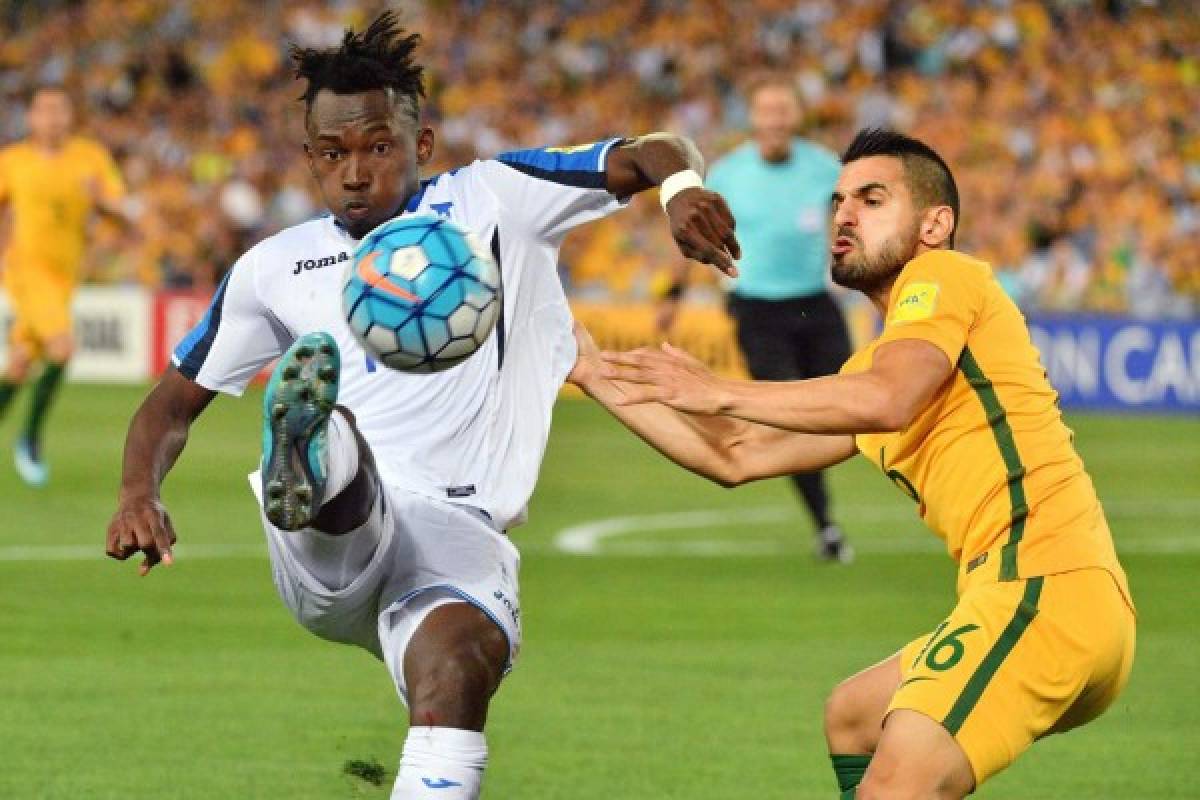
788 326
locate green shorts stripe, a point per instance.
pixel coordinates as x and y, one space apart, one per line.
1026 611
1015 471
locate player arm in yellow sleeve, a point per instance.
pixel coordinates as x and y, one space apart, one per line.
903 378
726 451
107 189
936 304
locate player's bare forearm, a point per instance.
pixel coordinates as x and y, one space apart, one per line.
766 452
157 435
841 404
903 379
696 447
728 451
645 162
699 446
701 222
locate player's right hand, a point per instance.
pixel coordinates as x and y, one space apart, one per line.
141 525
703 227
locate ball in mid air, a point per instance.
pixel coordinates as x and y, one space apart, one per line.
421 294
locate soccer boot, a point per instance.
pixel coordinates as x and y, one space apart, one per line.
27 458
296 407
832 545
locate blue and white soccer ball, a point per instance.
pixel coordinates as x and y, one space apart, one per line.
421 293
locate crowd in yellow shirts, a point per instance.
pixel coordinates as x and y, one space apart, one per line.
1073 127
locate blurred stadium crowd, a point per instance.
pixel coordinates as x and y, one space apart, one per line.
1073 126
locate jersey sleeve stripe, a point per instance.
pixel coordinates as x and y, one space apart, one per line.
191 353
1014 470
580 167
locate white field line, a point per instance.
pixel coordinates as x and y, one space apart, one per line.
595 537
587 538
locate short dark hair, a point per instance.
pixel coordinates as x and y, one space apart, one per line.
378 58
929 179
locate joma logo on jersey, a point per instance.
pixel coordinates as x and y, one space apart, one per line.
316 263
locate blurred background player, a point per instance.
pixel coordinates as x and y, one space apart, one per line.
51 182
788 325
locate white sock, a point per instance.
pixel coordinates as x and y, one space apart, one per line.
343 455
335 561
441 764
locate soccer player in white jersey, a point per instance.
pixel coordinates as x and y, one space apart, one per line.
386 516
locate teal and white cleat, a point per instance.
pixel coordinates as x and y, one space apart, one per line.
299 399
29 463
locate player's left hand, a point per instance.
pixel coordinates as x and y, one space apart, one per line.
587 359
667 375
702 225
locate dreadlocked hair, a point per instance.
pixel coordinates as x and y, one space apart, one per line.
378 58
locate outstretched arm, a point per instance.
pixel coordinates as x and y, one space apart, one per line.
701 222
727 451
157 435
903 378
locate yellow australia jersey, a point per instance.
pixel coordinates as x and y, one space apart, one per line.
989 462
51 197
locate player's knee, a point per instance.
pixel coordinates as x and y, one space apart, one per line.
60 349
16 371
890 778
848 724
885 781
453 687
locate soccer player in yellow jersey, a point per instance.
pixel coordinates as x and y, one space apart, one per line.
52 182
952 404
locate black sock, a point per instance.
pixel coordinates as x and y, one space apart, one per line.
8 390
812 488
44 392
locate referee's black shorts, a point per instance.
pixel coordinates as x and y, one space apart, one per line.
793 339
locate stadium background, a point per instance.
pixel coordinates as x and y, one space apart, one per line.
1074 130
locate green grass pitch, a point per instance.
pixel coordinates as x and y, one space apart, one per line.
678 661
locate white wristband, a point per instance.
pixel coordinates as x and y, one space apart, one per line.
674 184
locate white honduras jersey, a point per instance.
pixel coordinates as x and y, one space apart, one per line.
475 433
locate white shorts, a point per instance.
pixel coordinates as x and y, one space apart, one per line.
428 553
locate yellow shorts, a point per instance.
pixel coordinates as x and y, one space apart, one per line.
1019 660
41 307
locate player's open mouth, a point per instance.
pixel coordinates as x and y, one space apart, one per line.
841 245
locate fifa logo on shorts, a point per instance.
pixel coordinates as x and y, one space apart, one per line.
305 264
